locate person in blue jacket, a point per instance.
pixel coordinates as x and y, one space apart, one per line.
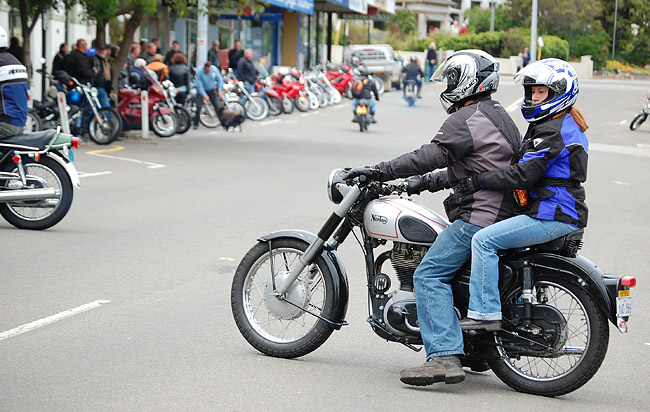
13 91
209 84
548 179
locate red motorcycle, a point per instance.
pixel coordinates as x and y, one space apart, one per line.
162 119
341 79
264 87
292 87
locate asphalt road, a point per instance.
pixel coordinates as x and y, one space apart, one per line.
158 227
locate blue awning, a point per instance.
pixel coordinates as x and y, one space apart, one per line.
269 15
303 6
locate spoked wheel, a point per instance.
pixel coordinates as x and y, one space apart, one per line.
269 324
33 122
379 84
184 119
275 106
256 108
39 214
638 120
571 358
108 128
164 125
302 103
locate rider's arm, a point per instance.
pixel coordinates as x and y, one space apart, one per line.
219 79
199 82
436 180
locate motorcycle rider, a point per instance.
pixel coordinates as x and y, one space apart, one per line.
552 168
13 91
362 91
413 71
478 136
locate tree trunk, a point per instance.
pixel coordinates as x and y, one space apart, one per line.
100 35
131 26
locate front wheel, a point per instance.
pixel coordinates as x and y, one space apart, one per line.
574 352
256 108
302 102
275 106
379 84
287 105
184 119
269 324
43 213
107 128
164 125
638 120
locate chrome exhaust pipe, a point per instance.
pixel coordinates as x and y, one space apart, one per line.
27 194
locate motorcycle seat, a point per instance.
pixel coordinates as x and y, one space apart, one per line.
34 139
569 244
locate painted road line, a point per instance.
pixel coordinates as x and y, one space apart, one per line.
515 105
113 148
626 150
308 114
84 174
264 123
228 259
618 182
623 122
150 165
51 319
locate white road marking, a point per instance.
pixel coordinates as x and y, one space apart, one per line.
618 182
308 114
84 174
51 319
626 150
340 106
515 105
270 122
623 122
150 165
647 343
643 146
227 259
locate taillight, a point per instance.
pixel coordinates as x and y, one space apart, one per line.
628 281
16 159
76 142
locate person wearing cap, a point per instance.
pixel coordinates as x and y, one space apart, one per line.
13 91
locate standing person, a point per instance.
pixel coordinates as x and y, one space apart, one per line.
134 53
13 91
179 74
246 71
15 49
156 43
209 85
149 52
213 55
454 29
432 60
477 136
158 67
59 60
260 67
234 55
176 48
551 168
79 65
102 80
525 58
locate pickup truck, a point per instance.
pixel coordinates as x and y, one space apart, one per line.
380 60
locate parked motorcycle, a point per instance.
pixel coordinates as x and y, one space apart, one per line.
162 119
36 178
256 107
642 115
182 114
290 291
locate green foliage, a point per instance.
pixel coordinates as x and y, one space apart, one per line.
558 17
404 21
514 40
595 43
488 41
632 30
479 19
555 47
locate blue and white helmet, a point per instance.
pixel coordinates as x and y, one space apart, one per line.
562 82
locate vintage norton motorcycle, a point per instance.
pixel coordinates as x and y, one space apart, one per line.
290 291
36 178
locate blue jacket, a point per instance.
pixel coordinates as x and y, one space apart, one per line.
553 166
207 81
13 90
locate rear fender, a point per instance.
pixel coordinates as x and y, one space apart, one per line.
578 270
334 264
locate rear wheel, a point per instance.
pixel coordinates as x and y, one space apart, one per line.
571 358
379 84
638 120
287 105
164 125
108 128
269 324
184 119
33 122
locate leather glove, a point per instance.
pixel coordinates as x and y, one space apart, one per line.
369 172
413 185
468 185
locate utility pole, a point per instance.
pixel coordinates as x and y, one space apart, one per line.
533 34
202 33
492 7
614 36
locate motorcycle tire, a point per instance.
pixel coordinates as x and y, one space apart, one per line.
525 373
164 125
638 120
256 108
108 129
270 325
380 85
275 106
313 101
184 119
44 213
322 99
336 96
34 122
287 105
302 103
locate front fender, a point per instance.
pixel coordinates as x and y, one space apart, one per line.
580 271
334 264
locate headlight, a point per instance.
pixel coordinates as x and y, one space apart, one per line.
93 92
334 184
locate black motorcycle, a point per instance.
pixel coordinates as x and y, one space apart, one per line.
290 292
642 115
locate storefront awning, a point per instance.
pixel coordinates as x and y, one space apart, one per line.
342 6
270 14
303 6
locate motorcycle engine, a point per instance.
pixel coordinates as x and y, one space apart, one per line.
405 258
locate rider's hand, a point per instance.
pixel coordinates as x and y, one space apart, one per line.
221 94
468 185
206 98
368 172
413 185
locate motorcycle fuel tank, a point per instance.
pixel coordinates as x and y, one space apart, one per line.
402 220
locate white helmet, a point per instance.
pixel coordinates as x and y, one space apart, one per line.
139 63
469 73
4 39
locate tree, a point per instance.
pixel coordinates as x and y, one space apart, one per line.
479 19
559 17
632 28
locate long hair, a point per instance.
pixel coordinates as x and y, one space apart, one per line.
577 116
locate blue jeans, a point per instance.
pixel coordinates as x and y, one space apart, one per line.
439 327
250 87
104 101
516 232
432 69
371 103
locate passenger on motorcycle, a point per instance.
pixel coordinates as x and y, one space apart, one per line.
362 91
413 71
479 136
13 91
209 85
141 77
551 170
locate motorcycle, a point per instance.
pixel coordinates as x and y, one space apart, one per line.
290 291
182 114
410 91
642 115
361 116
162 119
36 178
256 108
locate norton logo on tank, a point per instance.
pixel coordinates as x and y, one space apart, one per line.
381 219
